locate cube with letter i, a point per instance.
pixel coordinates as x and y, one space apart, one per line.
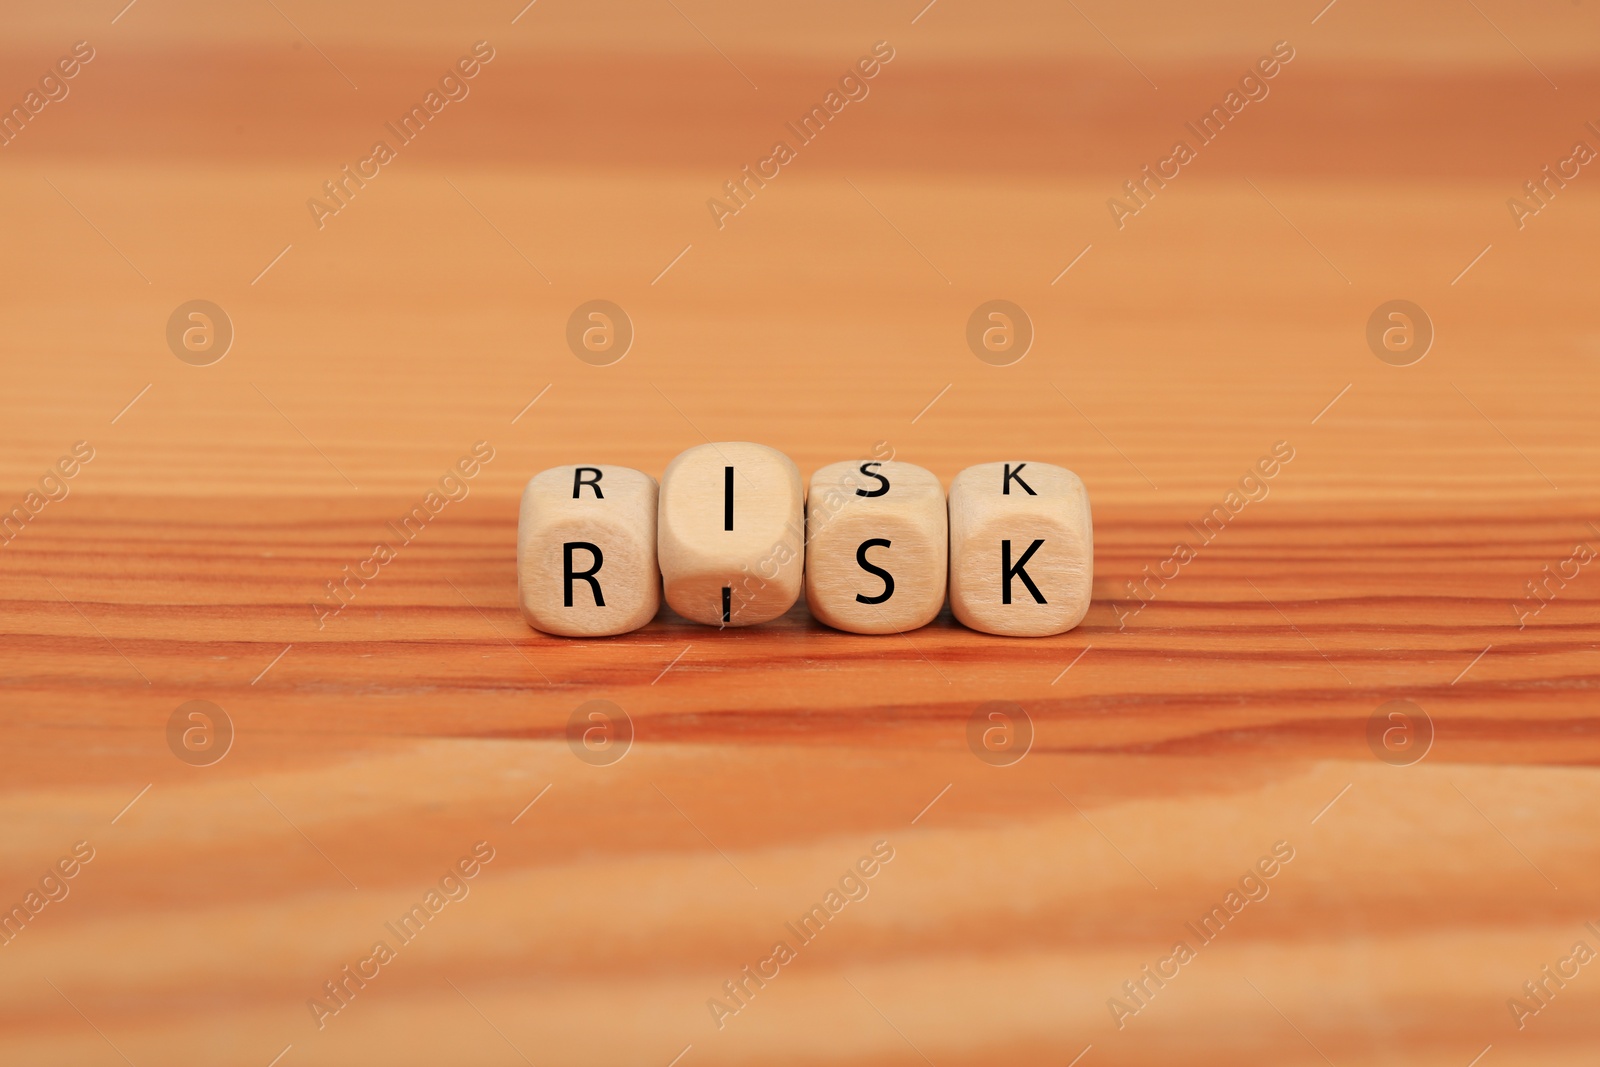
877 544
586 551
1021 549
731 532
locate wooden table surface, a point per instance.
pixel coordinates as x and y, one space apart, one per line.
1158 755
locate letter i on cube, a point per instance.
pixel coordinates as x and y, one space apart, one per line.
731 533
1021 549
877 543
586 551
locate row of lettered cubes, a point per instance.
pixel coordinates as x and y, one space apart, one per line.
731 535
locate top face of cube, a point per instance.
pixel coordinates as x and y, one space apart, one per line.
587 488
863 487
1022 486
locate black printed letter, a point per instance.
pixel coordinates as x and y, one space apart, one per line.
1007 571
568 574
861 558
579 481
1017 474
882 489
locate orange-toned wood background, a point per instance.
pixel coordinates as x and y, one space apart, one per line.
1231 713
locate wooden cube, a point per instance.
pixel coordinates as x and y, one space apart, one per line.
1021 549
877 546
586 551
731 533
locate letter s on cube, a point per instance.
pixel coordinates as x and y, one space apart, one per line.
1021 549
877 544
586 551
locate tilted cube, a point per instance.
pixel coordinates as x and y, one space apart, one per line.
877 545
586 551
731 533
1021 549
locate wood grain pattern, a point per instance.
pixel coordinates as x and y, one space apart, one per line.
1426 543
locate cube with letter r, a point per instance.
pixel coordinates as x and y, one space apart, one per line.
586 551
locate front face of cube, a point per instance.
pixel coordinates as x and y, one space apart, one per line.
877 544
586 551
1021 549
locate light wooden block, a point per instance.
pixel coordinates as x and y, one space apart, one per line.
730 534
877 546
1021 549
586 551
